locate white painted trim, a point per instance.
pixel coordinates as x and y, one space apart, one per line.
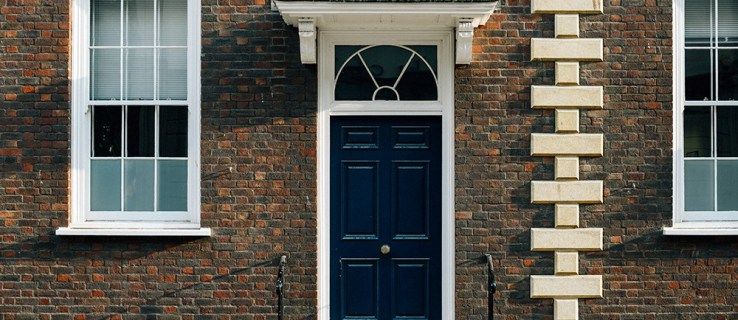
443 107
402 13
676 231
309 16
200 232
688 221
81 118
677 93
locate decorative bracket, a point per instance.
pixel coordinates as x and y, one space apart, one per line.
464 36
308 40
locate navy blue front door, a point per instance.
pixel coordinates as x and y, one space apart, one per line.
385 217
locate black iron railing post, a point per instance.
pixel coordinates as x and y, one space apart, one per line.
280 288
491 288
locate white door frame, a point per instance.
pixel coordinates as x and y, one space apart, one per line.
444 107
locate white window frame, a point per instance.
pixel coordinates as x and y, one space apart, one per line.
81 221
689 223
444 107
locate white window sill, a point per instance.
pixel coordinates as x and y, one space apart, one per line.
682 231
200 232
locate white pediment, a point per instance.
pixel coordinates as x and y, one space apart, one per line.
310 17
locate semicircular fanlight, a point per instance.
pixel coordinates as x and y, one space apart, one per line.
385 72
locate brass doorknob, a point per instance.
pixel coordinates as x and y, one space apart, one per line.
384 249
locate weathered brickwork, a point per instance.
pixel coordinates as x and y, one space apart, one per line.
258 111
258 118
645 274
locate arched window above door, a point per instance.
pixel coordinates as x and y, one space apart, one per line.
386 72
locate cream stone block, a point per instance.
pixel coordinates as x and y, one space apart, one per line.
570 287
556 49
566 309
567 216
576 144
566 6
567 120
580 239
589 191
566 25
566 262
567 73
589 97
566 167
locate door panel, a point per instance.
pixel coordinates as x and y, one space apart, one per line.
359 137
411 286
360 285
385 191
410 195
410 137
359 192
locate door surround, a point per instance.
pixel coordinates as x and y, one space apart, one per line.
444 107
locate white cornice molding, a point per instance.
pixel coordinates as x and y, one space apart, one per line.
310 16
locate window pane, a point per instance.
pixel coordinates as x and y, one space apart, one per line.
139 22
727 131
105 185
417 83
139 74
105 22
172 189
354 82
727 23
342 54
173 74
173 22
172 131
698 25
727 188
386 63
430 54
699 185
728 74
697 75
105 82
106 131
386 93
140 131
139 185
697 137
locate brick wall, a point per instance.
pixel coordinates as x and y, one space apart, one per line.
258 110
646 275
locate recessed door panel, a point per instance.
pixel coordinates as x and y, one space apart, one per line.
359 199
359 289
385 211
410 289
411 194
359 137
410 137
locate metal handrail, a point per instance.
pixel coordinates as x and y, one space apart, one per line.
280 287
491 287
